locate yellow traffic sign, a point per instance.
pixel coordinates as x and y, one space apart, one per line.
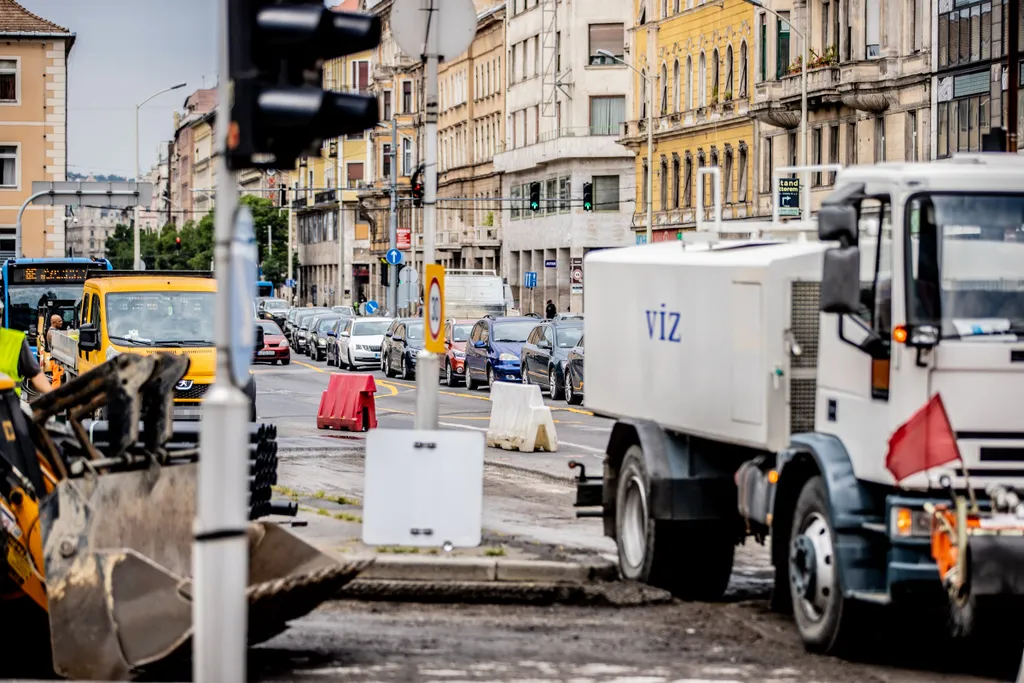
433 312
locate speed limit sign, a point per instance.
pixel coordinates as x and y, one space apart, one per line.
433 312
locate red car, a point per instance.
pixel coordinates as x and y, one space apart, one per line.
456 334
275 346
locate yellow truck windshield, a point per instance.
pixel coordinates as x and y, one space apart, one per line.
160 318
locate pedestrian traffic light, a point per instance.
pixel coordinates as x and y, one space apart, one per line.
417 186
279 109
534 196
588 197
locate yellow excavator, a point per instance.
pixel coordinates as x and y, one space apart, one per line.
95 551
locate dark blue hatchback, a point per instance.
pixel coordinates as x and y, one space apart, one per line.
493 349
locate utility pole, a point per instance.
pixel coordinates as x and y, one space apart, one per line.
341 247
1013 77
291 239
393 226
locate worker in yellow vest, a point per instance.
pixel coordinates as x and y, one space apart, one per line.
18 363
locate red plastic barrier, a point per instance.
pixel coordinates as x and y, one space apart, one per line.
348 403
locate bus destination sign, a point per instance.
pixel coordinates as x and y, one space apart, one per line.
43 274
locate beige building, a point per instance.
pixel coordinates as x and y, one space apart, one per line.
198 110
33 126
470 132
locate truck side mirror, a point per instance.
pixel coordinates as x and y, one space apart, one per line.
840 281
837 222
88 337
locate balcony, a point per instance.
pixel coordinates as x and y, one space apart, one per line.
562 143
325 197
871 85
778 102
713 114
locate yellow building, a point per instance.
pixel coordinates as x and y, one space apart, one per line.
33 126
699 60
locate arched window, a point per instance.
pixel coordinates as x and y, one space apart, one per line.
728 73
702 80
689 84
664 90
716 93
645 88
675 87
743 69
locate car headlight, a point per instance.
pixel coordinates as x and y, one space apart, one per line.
112 352
283 344
459 355
321 342
508 357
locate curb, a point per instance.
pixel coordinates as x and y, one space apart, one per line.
486 570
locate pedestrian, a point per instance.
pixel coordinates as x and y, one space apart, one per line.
550 311
56 322
18 363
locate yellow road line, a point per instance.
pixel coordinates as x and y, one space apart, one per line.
312 367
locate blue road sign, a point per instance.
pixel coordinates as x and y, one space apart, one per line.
371 307
289 283
550 263
530 280
393 257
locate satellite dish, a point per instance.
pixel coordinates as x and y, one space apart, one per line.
452 27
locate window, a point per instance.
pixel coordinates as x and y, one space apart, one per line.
361 76
782 45
642 84
791 145
354 174
664 90
385 161
514 204
766 176
816 154
386 105
8 80
536 55
675 87
512 65
664 183
911 141
563 194
851 143
716 92
727 176
610 37
647 179
406 156
833 151
743 69
688 181
702 80
689 83
549 205
8 166
964 34
872 30
880 138
962 122
675 180
606 192
741 172
407 97
764 47
728 73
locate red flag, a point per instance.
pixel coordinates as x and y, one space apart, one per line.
925 440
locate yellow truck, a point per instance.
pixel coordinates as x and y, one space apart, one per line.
146 313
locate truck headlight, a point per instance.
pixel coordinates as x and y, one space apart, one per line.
907 523
507 357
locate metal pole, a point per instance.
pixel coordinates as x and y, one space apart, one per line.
21 214
291 238
270 240
341 249
1013 77
137 248
220 555
804 184
428 364
392 298
650 134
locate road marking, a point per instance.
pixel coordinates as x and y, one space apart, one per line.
393 391
311 367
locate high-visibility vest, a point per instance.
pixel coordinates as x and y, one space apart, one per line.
10 351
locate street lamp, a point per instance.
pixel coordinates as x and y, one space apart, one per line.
138 172
803 76
650 139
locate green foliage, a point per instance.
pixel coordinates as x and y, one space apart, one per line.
160 251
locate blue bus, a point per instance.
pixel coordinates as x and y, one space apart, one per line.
264 288
29 282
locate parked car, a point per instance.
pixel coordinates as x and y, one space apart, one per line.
359 344
456 334
546 352
289 322
346 311
319 334
406 342
275 348
333 340
314 325
385 345
302 323
574 375
273 309
492 353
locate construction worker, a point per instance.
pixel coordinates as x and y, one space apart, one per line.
18 363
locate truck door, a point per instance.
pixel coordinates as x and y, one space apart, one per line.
87 360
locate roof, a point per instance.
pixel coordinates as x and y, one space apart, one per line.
16 21
149 283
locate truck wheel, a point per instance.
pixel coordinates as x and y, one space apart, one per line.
824 618
661 553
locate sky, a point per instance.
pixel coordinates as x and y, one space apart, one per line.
125 51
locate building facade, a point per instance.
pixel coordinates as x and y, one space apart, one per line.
565 104
869 86
697 58
156 215
196 110
471 103
33 127
88 230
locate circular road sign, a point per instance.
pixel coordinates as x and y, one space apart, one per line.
434 308
577 275
452 27
408 274
393 257
371 307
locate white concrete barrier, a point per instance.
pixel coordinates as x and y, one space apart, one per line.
520 420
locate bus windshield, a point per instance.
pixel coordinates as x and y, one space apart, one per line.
160 318
23 303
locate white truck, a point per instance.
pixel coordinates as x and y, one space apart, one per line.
474 293
766 381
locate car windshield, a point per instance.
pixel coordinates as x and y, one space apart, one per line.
567 337
370 328
24 301
344 310
275 305
967 257
326 324
460 333
414 331
513 331
161 318
270 327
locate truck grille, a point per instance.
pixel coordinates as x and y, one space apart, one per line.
197 391
804 322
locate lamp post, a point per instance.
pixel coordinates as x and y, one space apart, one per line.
138 171
649 199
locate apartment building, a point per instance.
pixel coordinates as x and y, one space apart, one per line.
157 213
33 126
471 102
88 229
868 85
195 118
565 104
969 48
698 56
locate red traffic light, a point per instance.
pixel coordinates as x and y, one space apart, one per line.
177 243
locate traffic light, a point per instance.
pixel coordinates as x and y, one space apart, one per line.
177 243
384 274
417 186
534 196
588 197
276 51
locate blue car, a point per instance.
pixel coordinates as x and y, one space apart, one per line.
493 350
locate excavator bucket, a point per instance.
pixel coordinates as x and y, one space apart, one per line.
117 534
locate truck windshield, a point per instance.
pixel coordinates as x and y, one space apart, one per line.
966 258
24 301
161 318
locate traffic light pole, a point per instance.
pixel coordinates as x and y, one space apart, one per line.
429 364
393 224
220 554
